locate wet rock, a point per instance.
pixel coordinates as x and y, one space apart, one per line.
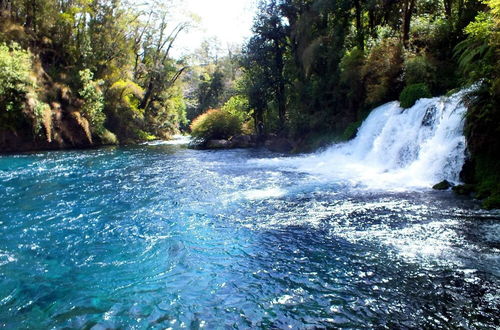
218 144
443 185
243 141
196 144
468 171
464 189
279 145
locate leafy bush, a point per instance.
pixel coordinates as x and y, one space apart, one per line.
382 72
412 93
40 116
108 138
351 79
238 106
144 136
15 83
418 69
93 99
215 124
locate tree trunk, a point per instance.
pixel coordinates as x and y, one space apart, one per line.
408 7
447 8
280 92
359 25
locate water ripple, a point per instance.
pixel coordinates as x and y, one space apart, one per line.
159 236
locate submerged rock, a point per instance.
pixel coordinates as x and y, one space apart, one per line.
238 141
443 185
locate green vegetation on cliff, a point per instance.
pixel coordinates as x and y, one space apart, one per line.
89 71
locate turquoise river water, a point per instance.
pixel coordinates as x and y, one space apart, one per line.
160 236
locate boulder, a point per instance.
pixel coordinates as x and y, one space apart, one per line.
218 144
468 171
242 141
279 145
443 185
464 189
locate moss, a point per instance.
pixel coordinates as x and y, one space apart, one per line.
492 202
443 185
464 189
412 93
487 176
351 131
315 141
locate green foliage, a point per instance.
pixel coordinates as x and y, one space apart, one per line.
419 69
487 176
476 54
478 59
238 106
110 54
15 83
144 136
215 124
382 72
122 108
108 138
351 130
38 114
93 100
412 93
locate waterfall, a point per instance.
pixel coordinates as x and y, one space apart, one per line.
396 147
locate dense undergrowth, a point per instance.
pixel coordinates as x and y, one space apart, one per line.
98 67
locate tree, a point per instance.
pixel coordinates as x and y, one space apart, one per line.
267 49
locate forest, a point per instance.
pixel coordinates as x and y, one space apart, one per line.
79 73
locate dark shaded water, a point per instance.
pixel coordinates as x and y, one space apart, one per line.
160 236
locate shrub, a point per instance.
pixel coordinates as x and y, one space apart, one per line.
93 105
15 83
418 69
144 136
40 116
238 106
215 124
108 138
382 71
351 130
412 93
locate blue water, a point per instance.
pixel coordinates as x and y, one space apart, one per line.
159 236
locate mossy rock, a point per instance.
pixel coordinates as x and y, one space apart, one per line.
492 202
443 185
412 93
464 189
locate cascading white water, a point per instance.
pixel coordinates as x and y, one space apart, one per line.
396 148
